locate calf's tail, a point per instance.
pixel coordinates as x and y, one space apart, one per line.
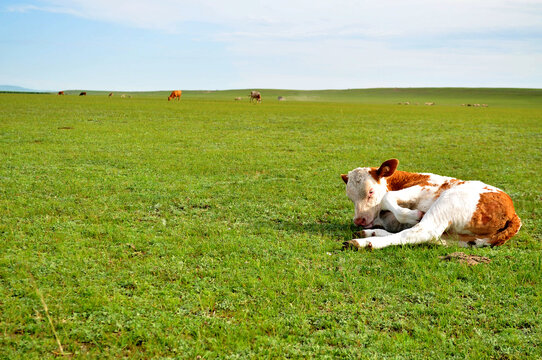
510 229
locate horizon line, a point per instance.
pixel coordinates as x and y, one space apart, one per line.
27 90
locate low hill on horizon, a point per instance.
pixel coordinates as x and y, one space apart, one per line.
14 88
412 96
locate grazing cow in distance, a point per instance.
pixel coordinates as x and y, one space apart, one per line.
430 103
255 95
238 98
110 94
281 98
175 94
61 93
83 93
435 206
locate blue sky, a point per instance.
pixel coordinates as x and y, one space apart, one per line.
296 44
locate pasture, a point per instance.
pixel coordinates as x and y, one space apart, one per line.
212 228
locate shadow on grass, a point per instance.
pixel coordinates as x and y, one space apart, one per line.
337 230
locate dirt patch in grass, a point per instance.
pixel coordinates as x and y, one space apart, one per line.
466 259
65 128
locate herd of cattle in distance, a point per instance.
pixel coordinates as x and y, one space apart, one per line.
256 96
176 94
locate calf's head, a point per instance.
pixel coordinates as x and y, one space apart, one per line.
366 187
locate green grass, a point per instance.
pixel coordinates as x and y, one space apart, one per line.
213 228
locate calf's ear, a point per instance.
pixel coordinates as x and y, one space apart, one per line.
387 168
345 178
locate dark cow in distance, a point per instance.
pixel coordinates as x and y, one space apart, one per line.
61 93
83 93
255 95
175 94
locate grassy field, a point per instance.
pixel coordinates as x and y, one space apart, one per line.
442 96
212 228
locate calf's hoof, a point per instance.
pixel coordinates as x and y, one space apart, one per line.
356 244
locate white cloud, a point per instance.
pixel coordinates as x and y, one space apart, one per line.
351 64
316 44
306 18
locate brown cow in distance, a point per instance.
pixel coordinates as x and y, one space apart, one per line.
110 94
61 93
83 93
175 94
255 95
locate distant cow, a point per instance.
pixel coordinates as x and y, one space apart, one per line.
84 93
430 103
281 98
61 93
175 94
255 95
238 98
110 94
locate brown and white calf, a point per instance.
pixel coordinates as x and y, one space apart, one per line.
435 206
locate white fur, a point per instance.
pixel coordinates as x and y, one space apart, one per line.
451 211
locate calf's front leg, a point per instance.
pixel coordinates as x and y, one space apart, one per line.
432 226
403 215
415 235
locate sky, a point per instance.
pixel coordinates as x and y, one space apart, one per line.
288 44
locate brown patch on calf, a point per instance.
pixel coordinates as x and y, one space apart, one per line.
345 178
447 185
397 180
494 218
410 204
402 179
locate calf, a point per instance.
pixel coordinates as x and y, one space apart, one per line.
435 206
